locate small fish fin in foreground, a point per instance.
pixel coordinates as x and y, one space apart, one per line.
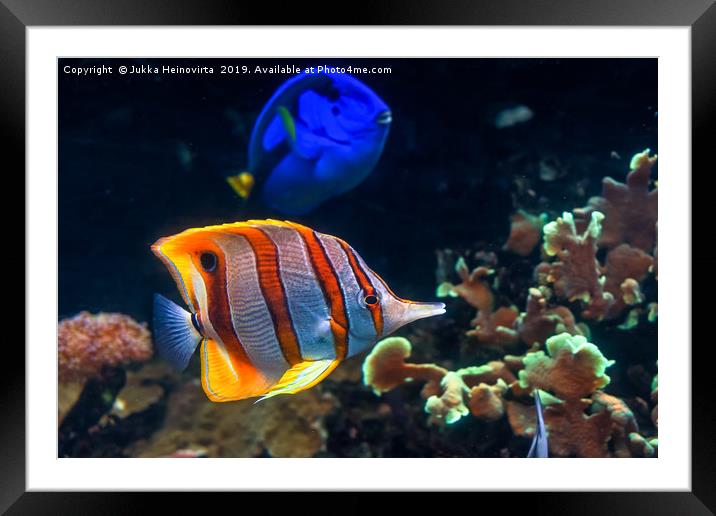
539 448
242 184
175 336
302 376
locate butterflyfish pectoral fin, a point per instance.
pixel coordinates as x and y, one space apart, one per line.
242 184
301 376
226 379
175 337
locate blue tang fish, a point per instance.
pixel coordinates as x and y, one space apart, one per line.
319 136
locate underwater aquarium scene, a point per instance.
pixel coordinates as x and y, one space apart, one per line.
357 257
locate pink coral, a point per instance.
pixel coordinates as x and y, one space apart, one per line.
486 401
573 433
446 392
576 273
474 288
489 327
539 322
571 369
450 404
385 367
495 328
625 267
525 233
88 342
630 209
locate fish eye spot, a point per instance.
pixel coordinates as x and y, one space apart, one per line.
370 300
208 261
335 110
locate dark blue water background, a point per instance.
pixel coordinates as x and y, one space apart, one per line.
145 156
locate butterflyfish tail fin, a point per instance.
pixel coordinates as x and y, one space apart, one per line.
175 337
242 184
301 376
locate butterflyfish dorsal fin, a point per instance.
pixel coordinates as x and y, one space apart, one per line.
302 376
224 379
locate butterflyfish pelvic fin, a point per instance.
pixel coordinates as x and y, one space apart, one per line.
175 337
242 184
301 376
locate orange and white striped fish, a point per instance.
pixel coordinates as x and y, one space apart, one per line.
275 305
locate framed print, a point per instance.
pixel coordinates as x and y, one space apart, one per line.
312 257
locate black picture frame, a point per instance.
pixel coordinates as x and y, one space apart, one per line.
700 15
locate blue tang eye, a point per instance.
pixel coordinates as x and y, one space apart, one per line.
335 110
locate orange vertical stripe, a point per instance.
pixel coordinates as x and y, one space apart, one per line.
219 311
328 279
267 266
376 311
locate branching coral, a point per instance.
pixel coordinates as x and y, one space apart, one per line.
450 405
385 367
525 233
655 267
639 446
625 267
655 400
630 209
576 274
582 420
486 400
572 369
87 342
474 288
540 322
488 327
446 392
495 328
